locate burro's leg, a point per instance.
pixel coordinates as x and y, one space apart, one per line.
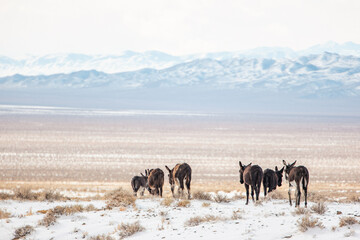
247 194
188 187
289 192
252 193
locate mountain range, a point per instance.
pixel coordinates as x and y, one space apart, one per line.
132 61
316 75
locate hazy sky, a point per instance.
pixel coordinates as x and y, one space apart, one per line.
177 27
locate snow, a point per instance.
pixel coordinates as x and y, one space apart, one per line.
271 219
322 74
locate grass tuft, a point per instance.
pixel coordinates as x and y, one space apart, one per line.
195 221
183 203
301 211
23 231
205 204
119 198
307 222
220 198
101 237
346 221
4 214
167 202
319 208
54 213
200 195
129 229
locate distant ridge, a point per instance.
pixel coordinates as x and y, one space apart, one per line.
316 75
132 61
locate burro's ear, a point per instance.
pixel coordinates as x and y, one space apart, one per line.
142 175
293 164
284 163
167 168
282 170
276 169
250 164
240 164
146 172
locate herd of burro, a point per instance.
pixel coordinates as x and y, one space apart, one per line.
250 175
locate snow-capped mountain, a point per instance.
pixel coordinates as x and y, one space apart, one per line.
326 74
67 63
132 61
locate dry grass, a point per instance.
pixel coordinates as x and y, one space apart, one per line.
301 211
200 195
195 221
319 208
237 214
167 202
346 221
48 219
129 229
27 193
101 237
221 198
5 196
183 203
4 214
307 222
277 194
23 231
205 204
119 198
52 214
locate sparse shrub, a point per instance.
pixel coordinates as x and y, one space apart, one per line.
53 214
5 196
50 195
183 203
354 198
195 221
90 208
25 193
276 195
301 211
236 214
101 237
202 195
345 221
220 198
205 204
119 198
128 229
48 219
319 208
307 222
4 214
23 231
167 202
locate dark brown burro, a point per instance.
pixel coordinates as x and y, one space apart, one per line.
139 183
297 175
251 176
155 181
272 179
177 175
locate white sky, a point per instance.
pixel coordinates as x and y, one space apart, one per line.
177 27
